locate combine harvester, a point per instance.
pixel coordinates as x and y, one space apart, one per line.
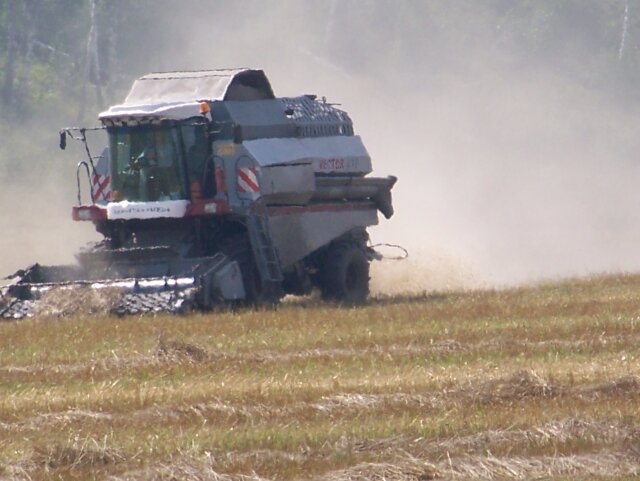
213 190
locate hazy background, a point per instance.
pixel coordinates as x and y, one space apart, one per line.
511 124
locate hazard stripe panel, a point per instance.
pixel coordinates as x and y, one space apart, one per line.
100 185
247 180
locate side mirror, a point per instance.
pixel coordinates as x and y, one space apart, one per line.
63 139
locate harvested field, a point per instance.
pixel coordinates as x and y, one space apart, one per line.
540 382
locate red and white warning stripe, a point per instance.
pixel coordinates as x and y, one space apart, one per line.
100 187
247 180
100 180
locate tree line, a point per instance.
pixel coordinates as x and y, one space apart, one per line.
55 50
52 51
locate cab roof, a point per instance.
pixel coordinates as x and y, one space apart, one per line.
178 94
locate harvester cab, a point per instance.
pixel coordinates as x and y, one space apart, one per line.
213 190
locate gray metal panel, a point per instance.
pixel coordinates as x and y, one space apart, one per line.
228 281
261 118
259 112
296 235
227 155
337 154
287 184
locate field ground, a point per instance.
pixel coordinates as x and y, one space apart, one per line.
540 382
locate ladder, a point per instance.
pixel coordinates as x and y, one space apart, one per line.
264 251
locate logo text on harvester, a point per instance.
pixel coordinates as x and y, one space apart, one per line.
142 210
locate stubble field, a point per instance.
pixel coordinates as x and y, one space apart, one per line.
540 382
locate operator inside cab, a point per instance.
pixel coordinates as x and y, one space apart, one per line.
146 164
158 162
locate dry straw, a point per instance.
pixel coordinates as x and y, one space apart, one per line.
64 302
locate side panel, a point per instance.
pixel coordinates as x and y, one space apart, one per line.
247 180
228 158
287 184
337 154
297 234
247 183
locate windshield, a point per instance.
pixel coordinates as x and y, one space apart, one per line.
146 163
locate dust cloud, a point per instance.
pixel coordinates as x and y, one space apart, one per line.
510 170
39 227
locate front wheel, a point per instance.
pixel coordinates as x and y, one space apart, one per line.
345 275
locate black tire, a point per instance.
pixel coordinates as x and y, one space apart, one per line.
345 275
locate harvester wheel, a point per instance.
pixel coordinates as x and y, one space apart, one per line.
345 276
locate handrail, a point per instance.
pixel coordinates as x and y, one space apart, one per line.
86 166
89 166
